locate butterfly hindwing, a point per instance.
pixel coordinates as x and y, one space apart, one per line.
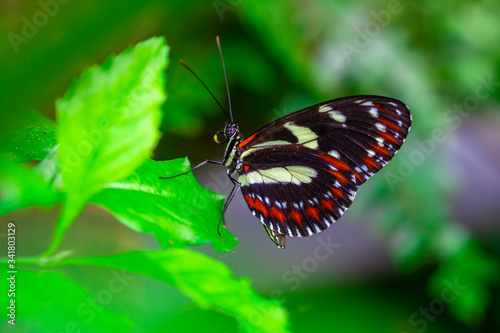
301 198
301 172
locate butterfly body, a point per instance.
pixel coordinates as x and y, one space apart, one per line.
301 172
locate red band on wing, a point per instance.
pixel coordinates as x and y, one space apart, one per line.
296 216
336 163
277 214
257 205
388 124
325 204
337 192
313 212
388 137
340 177
358 177
384 110
370 162
380 150
247 140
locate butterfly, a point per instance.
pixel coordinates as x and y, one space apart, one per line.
300 173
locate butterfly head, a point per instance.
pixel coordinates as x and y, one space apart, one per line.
230 132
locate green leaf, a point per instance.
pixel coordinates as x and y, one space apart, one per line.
28 137
178 211
108 124
207 281
21 187
49 302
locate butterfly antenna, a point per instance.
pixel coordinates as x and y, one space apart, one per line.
203 83
225 77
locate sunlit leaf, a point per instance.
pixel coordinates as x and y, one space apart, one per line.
108 123
22 187
28 137
178 211
207 281
49 302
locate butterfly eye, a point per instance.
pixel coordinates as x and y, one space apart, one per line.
220 137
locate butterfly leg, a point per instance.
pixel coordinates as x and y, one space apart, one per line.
234 190
196 167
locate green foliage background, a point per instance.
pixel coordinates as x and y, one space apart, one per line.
86 120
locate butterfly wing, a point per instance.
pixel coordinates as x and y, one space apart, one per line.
301 172
300 198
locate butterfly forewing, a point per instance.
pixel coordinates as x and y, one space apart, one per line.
300 173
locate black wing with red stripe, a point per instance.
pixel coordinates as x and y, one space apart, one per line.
301 172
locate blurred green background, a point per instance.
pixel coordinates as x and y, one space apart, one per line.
419 249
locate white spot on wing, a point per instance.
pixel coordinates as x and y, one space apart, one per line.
373 112
324 108
370 153
380 127
272 143
304 135
337 116
352 195
334 153
294 174
309 231
367 103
